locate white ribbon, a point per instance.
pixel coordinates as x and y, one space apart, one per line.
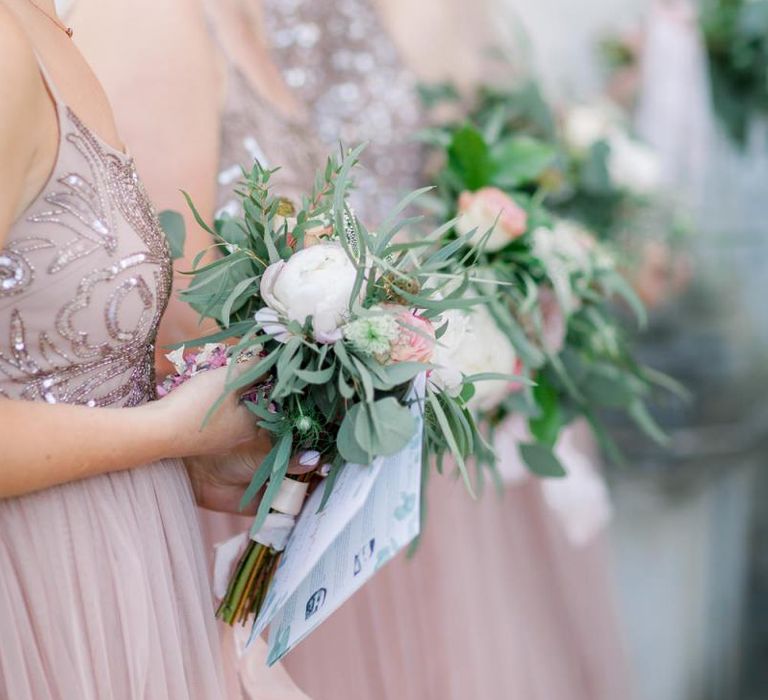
290 496
275 531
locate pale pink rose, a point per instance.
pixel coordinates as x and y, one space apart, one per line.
416 339
479 210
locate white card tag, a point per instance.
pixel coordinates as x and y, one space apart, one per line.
372 513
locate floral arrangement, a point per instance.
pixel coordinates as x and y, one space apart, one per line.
736 37
342 320
597 173
510 177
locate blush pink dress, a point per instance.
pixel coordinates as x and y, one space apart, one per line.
103 588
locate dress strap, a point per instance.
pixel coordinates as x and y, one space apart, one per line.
49 84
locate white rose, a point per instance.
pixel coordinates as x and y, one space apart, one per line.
632 165
317 282
474 344
586 124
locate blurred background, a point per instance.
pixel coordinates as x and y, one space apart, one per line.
690 520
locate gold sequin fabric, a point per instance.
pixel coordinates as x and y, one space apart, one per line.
344 66
85 275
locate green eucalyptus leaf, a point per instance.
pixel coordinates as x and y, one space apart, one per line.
387 427
546 426
403 372
319 376
279 470
541 460
520 160
470 159
175 230
346 442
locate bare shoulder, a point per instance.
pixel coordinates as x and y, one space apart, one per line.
20 83
21 94
18 66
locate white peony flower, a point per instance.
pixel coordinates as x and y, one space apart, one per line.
474 344
585 125
632 165
315 282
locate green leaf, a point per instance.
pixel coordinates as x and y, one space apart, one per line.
469 158
231 230
259 478
337 466
403 372
384 427
442 420
346 390
346 442
279 470
608 386
645 421
546 426
239 290
541 460
175 230
617 284
199 219
319 376
521 160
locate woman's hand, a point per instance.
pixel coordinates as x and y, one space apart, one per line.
219 481
231 427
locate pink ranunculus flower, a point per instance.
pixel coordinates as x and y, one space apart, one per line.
479 210
416 340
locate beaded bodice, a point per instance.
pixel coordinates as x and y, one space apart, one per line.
253 129
85 275
341 62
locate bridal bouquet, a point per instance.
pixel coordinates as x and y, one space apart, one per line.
342 320
502 173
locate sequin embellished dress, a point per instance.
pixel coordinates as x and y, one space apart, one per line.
103 589
498 604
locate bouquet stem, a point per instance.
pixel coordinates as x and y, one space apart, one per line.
250 582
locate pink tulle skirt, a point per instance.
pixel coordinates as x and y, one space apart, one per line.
497 604
104 594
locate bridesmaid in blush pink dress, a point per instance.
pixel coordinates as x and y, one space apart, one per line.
102 581
103 591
